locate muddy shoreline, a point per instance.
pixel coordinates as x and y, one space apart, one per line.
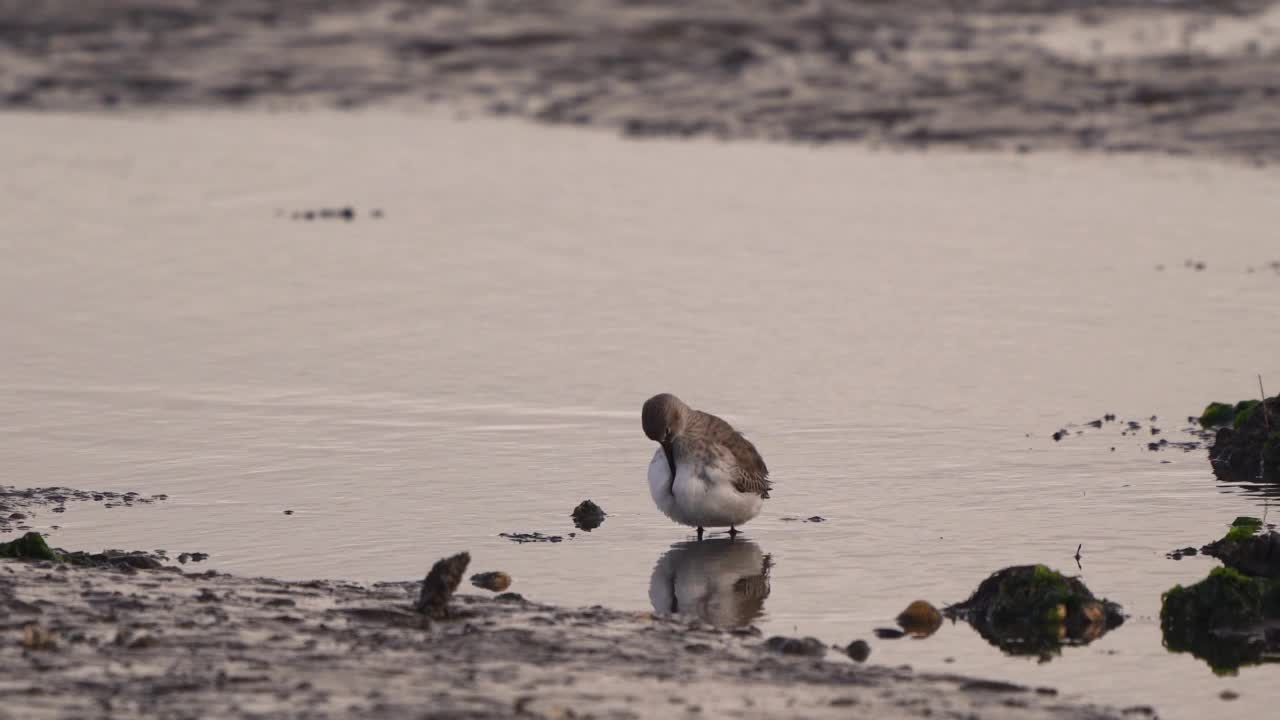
1173 77
88 642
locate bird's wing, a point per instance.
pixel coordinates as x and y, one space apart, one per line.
750 475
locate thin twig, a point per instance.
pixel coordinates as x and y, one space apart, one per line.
1266 416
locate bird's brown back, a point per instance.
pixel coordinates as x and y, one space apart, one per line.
751 474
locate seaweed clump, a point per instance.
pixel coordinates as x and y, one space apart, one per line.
29 547
1246 447
1034 610
1247 549
1228 620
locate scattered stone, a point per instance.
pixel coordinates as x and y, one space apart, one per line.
808 646
511 597
920 619
495 581
588 516
1057 436
1094 423
858 651
1181 553
1229 695
36 637
288 512
440 584
888 633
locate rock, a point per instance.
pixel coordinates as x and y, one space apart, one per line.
858 651
1059 435
588 516
495 581
920 619
440 584
1223 619
1033 610
1246 446
1247 551
808 647
888 633
36 637
29 547
510 597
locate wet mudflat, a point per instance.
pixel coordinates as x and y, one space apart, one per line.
161 643
356 399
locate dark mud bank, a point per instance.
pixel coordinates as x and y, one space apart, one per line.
1016 74
82 642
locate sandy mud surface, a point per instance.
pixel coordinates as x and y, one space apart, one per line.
1176 77
121 643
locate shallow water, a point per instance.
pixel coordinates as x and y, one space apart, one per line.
900 334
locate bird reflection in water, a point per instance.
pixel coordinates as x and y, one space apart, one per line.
723 582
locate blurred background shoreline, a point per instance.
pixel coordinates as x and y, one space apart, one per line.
1164 77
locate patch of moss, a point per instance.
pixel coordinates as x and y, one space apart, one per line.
1243 528
1243 411
29 547
1271 451
1220 618
1035 610
1216 413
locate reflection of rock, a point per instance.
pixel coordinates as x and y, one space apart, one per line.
1228 620
1032 610
723 581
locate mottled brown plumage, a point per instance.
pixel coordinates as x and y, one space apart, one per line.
706 439
706 433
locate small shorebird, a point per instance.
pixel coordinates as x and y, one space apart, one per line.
706 474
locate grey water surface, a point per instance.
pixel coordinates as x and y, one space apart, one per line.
899 334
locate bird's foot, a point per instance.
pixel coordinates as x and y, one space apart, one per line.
699 533
734 532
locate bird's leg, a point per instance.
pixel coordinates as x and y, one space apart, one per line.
699 533
733 531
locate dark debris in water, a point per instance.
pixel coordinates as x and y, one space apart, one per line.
810 519
588 516
530 537
19 506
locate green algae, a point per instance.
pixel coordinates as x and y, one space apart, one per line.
1243 528
1216 413
1221 619
1035 610
29 547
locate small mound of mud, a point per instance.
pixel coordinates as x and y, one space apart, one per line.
1033 610
1246 447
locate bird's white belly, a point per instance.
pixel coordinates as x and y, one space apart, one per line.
698 501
